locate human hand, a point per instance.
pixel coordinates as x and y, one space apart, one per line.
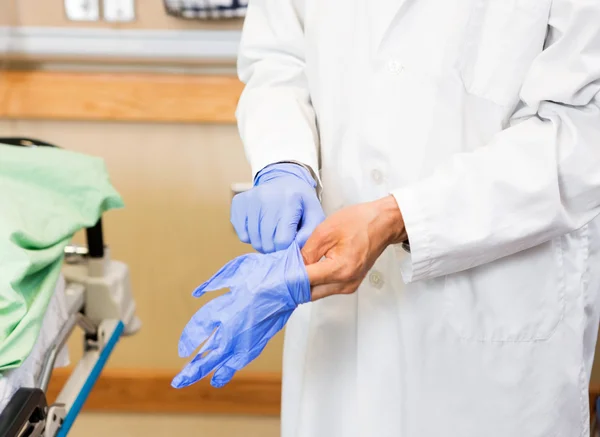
281 207
351 240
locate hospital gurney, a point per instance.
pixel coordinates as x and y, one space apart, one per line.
98 299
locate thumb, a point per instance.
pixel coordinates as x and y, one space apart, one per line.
322 272
316 247
312 217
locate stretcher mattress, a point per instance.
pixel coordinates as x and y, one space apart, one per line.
26 375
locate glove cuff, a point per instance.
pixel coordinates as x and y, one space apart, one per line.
296 277
273 171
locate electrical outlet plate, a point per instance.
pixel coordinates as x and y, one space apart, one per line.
118 10
82 10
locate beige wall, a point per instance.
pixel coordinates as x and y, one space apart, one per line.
174 231
7 12
150 14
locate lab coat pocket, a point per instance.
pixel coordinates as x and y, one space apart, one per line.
501 40
519 298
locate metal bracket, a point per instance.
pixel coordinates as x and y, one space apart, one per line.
75 254
54 419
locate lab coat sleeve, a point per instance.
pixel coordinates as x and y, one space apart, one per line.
536 180
275 117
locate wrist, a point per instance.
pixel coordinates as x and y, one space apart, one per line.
285 169
391 221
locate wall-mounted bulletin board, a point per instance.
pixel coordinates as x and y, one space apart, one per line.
40 32
149 14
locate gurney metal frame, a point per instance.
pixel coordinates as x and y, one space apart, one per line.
100 302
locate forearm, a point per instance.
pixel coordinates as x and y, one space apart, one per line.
534 181
275 117
389 221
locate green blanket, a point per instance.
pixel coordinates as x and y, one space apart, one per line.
46 196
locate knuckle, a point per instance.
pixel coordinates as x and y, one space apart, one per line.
346 273
262 194
318 233
350 272
293 196
281 241
268 246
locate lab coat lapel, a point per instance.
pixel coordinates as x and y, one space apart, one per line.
383 15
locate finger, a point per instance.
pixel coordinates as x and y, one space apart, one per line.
240 360
222 376
253 228
194 334
287 227
317 246
313 217
213 342
203 324
227 275
322 272
239 217
199 367
250 348
321 291
268 224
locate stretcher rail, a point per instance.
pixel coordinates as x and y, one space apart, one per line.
100 302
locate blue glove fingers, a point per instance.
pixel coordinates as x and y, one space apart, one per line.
199 367
254 217
248 347
222 376
213 343
268 225
202 324
225 277
312 217
239 216
241 360
194 334
288 225
225 374
296 276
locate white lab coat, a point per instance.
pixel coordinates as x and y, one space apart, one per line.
482 117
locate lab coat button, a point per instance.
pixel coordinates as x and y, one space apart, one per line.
395 67
376 279
377 176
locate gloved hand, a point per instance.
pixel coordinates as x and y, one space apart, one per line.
281 207
264 291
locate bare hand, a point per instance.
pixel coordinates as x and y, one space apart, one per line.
351 240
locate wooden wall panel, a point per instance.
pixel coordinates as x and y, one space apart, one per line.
135 391
118 97
150 392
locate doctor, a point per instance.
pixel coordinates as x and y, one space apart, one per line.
455 148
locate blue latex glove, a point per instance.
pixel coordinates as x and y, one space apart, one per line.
281 207
264 291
